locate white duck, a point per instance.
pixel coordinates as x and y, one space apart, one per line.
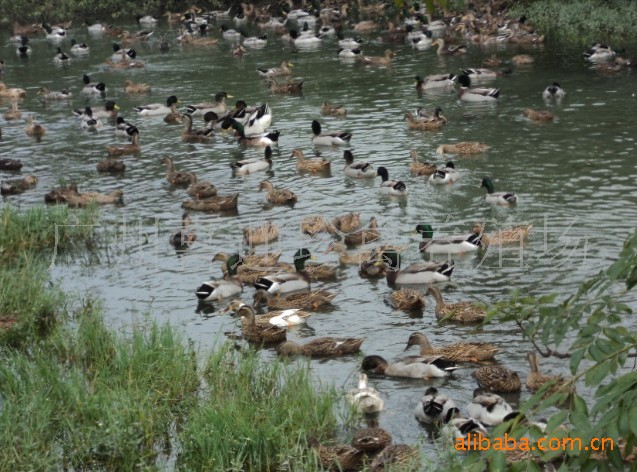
250 166
334 138
155 109
433 406
446 175
488 408
364 399
391 187
357 169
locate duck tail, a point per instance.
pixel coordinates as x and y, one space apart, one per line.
273 135
204 291
447 268
262 283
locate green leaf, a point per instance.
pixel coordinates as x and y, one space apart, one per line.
596 374
632 416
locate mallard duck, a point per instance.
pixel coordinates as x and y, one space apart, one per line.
417 273
357 169
277 196
458 427
87 198
314 224
488 408
346 223
60 194
79 49
396 456
256 41
266 139
599 53
364 399
371 440
287 282
348 43
154 109
122 54
458 352
54 34
422 41
513 235
47 94
464 147
132 88
390 187
333 110
459 312
224 288
282 319
448 50
127 37
304 300
365 235
497 379
339 457
384 60
238 50
34 129
320 271
217 203
10 164
491 61
147 20
447 245
230 34
289 87
306 39
346 53
436 81
445 175
415 369
263 234
522 60
13 187
499 198
476 94
250 166
132 148
310 165
425 125
348 259
174 177
433 407
258 120
334 138
407 299
11 92
553 91
219 106
174 116
183 237
322 347
24 50
284 69
536 380
123 128
14 113
89 122
113 166
535 115
420 168
190 135
61 58
200 189
367 26
482 74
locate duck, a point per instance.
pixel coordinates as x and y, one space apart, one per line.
397 457
219 106
467 94
266 139
310 165
61 58
122 54
420 168
132 88
87 198
256 41
320 271
123 128
365 235
458 427
463 147
224 288
536 380
216 203
334 138
416 273
154 109
407 299
304 39
346 223
304 300
190 135
14 187
287 88
258 120
489 409
433 407
10 164
199 189
448 50
459 312
47 94
479 74
322 347
491 61
238 50
434 367
348 43
522 60
54 34
372 439
512 235
250 273
34 129
499 198
417 123
365 400
250 166
497 379
314 224
447 245
7 92
445 175
282 319
183 237
345 53
553 92
284 69
288 282
436 81
337 457
89 122
457 352
384 60
277 196
109 111
538 115
24 50
174 116
127 37
599 53
357 169
147 20
390 187
133 148
230 34
348 259
112 166
333 110
174 177
79 49
263 234
422 42
14 113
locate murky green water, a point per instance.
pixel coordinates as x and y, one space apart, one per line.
574 178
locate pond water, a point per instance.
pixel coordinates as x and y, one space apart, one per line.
574 179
